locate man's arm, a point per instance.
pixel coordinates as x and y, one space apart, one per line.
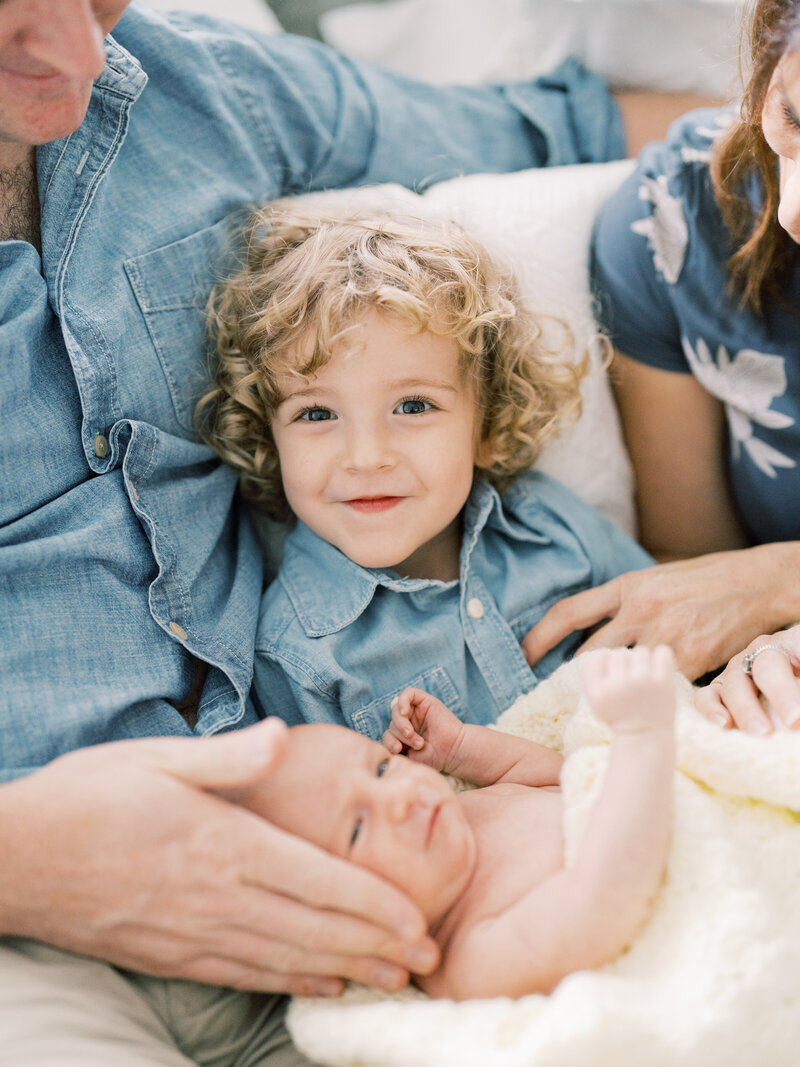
429 733
223 898
327 121
585 915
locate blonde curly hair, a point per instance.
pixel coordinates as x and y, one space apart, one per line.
308 276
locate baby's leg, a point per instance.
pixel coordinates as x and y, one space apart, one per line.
631 689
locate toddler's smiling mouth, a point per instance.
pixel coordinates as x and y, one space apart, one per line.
368 504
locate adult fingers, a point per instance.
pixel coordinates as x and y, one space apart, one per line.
708 701
212 970
732 699
577 612
774 666
220 762
773 673
241 962
280 935
300 870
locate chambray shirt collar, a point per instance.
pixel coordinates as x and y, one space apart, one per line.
101 134
122 73
329 591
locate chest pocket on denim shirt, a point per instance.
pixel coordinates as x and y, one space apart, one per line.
375 717
171 285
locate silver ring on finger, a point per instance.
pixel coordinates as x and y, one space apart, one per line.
750 658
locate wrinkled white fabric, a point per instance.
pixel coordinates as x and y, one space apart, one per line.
709 981
669 45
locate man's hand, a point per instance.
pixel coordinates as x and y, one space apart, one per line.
423 728
706 609
122 851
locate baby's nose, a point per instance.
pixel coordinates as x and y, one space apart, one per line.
409 794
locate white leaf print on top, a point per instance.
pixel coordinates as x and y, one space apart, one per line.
665 229
693 154
746 383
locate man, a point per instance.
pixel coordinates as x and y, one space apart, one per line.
130 578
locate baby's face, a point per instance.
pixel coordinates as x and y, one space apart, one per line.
399 819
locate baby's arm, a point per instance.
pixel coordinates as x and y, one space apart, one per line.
585 915
430 733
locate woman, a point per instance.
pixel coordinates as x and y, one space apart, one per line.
697 273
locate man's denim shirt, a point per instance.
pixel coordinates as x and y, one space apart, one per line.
122 546
337 642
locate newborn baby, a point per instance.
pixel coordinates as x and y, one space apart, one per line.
486 866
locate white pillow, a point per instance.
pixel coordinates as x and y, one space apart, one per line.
669 45
255 14
540 222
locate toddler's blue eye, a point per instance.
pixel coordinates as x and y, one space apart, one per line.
316 415
355 833
413 406
383 767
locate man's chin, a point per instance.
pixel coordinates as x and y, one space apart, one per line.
43 121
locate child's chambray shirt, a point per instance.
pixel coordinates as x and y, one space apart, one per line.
337 642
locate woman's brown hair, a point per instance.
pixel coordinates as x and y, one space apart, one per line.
743 160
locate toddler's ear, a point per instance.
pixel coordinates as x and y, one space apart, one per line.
484 455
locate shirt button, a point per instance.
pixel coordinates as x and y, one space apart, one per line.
178 631
474 608
100 446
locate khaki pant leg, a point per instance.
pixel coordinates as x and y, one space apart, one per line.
62 1010
219 1027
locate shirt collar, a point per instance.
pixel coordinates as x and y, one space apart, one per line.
122 73
328 591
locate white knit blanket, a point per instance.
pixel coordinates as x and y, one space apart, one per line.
713 980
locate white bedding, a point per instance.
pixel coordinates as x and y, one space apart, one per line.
671 45
709 982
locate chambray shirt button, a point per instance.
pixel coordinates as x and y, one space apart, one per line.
100 446
178 631
474 608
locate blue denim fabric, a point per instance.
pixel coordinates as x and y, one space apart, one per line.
337 642
122 546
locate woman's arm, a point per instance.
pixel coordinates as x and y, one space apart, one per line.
675 435
646 116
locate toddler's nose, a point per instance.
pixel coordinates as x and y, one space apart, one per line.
367 448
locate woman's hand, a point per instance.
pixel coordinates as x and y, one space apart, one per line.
772 675
707 609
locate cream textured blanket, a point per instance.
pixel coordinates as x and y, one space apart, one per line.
711 980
